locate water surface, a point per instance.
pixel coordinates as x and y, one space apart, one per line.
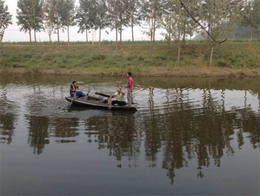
188 136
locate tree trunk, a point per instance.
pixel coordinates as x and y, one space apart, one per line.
151 45
132 26
86 35
50 38
179 34
68 34
179 53
93 35
35 36
58 33
30 36
152 35
116 37
184 34
121 34
251 37
99 45
208 34
211 55
2 35
58 29
154 28
169 38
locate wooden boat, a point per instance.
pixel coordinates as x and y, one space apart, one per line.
97 102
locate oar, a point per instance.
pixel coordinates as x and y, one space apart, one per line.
71 102
109 101
102 94
88 92
75 98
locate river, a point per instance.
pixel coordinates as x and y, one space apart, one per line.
189 136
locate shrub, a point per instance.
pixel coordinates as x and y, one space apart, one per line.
222 63
162 58
99 57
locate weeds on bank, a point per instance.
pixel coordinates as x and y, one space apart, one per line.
230 55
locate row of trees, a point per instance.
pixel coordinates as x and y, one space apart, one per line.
178 18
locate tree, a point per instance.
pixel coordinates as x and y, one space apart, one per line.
219 18
191 28
49 17
101 20
86 15
123 19
68 15
133 15
113 7
151 12
174 21
187 24
30 16
117 12
5 19
169 20
57 7
251 17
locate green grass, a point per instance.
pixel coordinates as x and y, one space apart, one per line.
127 57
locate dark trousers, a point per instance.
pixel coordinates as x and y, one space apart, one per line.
119 103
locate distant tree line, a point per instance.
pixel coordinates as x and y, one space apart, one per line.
178 18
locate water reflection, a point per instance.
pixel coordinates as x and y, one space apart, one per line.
115 132
64 128
172 127
38 137
202 133
8 117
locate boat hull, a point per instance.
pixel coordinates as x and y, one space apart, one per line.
95 102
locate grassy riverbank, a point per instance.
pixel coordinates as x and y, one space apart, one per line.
229 59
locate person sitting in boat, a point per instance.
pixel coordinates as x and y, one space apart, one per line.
120 98
74 90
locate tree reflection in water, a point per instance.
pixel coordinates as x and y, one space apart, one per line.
116 133
8 117
42 126
38 127
202 133
171 134
180 130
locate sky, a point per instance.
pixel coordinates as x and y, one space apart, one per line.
13 34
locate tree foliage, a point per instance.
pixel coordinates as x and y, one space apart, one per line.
179 19
49 17
86 15
67 14
30 16
5 18
251 14
151 12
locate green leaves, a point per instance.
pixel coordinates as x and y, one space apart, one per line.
5 16
5 19
251 14
30 15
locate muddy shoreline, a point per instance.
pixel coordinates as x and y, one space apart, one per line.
149 72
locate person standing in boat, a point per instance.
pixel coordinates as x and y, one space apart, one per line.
130 87
74 90
120 97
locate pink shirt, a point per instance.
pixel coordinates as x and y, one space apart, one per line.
130 83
